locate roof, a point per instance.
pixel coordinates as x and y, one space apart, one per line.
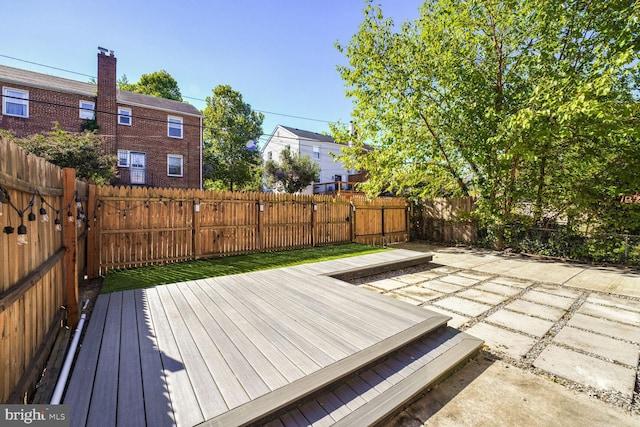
305 134
49 82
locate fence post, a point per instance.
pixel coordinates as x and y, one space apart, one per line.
92 223
196 241
260 209
70 239
313 222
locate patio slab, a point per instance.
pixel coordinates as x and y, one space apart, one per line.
463 306
497 339
614 301
608 280
419 293
387 284
609 348
499 289
518 283
548 299
446 288
520 322
560 291
535 309
459 280
482 296
456 321
611 313
605 327
587 370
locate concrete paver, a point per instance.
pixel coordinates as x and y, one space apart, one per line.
411 278
482 296
614 301
560 291
387 284
510 343
611 313
463 306
535 309
459 280
587 370
607 280
548 299
512 282
404 298
520 322
418 292
605 327
456 321
610 348
446 288
499 289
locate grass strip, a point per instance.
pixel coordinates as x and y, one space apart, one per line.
153 275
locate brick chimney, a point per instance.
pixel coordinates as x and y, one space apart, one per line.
106 102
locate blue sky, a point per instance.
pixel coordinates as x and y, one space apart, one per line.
279 54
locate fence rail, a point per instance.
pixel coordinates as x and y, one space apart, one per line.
140 226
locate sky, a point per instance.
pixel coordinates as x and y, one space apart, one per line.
279 54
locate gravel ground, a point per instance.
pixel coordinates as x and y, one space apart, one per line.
527 361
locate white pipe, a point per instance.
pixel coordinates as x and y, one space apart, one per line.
66 368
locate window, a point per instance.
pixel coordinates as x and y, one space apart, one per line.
174 127
287 147
124 116
15 102
269 155
316 152
174 165
87 110
123 158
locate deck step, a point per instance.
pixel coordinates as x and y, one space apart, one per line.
264 406
378 392
382 267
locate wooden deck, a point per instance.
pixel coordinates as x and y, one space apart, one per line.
237 346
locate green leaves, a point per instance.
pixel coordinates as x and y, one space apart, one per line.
159 84
528 104
293 173
229 126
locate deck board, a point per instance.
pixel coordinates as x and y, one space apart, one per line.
224 350
130 394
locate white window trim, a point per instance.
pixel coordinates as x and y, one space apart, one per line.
176 156
316 152
269 155
5 100
128 159
175 123
87 113
128 110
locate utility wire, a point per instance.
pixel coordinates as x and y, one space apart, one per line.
186 97
137 117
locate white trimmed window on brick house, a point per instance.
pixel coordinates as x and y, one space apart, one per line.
175 164
174 127
124 116
87 110
15 102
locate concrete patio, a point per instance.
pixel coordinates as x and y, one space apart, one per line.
555 334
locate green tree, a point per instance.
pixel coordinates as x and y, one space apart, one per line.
293 173
231 157
516 102
80 151
159 84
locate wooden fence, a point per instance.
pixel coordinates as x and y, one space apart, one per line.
39 277
140 226
445 220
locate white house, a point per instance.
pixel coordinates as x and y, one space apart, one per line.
317 146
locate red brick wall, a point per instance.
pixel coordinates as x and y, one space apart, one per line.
106 105
148 134
45 108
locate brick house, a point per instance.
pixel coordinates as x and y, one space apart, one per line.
158 141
